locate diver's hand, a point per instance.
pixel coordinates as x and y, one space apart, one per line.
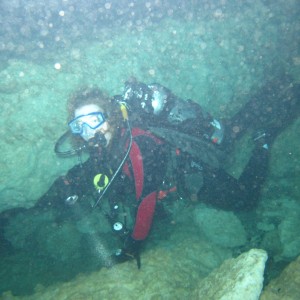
71 200
138 96
131 250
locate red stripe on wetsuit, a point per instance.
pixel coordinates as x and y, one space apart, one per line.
146 207
144 217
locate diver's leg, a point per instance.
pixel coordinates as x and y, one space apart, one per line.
254 176
271 111
222 191
225 192
274 107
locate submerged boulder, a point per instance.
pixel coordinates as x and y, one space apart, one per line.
286 286
289 236
239 278
220 227
283 213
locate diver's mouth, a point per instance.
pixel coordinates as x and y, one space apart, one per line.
99 140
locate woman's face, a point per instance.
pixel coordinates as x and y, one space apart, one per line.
90 120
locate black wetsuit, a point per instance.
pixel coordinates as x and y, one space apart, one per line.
271 109
214 187
139 178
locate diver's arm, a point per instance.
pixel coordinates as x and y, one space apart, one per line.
147 101
153 104
67 189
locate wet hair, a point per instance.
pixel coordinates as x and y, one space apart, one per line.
93 95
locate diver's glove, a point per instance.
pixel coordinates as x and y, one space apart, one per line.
138 96
131 250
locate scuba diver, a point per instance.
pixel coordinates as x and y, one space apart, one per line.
147 137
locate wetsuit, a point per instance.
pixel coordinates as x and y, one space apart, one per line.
145 168
271 109
141 175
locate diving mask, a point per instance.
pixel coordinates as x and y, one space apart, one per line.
85 125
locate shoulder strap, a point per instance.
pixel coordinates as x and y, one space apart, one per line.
136 162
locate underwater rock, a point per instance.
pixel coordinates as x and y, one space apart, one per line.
265 226
283 212
221 227
286 286
23 227
169 272
289 236
60 242
41 232
284 164
33 120
239 278
271 242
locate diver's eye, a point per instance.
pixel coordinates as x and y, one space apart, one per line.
78 124
94 119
